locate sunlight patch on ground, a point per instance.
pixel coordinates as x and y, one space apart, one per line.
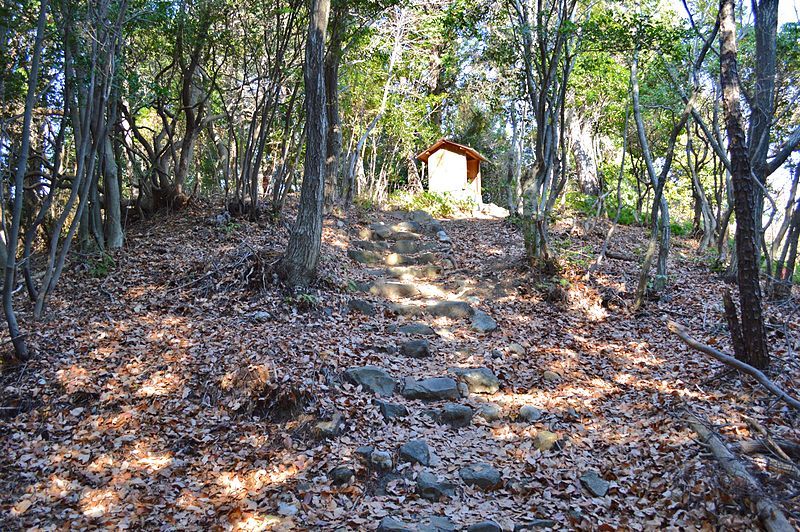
189 500
74 378
98 502
238 485
59 487
256 522
150 461
159 384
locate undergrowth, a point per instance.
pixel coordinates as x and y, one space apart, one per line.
437 205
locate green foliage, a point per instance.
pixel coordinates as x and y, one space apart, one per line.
230 227
580 202
303 301
623 29
437 205
101 266
681 228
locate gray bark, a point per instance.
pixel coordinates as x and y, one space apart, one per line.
17 339
299 265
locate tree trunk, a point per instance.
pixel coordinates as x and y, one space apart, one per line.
113 221
333 153
299 265
762 112
17 339
752 321
785 265
660 235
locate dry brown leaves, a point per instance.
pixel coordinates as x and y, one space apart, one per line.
177 397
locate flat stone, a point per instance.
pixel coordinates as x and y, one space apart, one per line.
372 378
416 452
381 460
341 475
417 328
455 415
533 524
380 231
421 217
595 484
390 524
516 348
483 323
485 526
482 475
430 488
426 271
391 411
545 440
416 349
393 289
412 246
478 380
490 412
551 376
364 256
530 413
437 524
370 245
410 226
443 237
432 389
329 428
451 309
362 306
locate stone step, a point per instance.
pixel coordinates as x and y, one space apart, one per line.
431 389
381 232
401 259
374 258
365 257
371 245
451 309
390 289
425 271
408 247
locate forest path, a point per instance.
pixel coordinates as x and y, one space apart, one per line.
525 412
192 392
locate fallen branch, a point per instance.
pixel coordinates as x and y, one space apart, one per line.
621 256
770 513
777 466
762 379
755 426
756 446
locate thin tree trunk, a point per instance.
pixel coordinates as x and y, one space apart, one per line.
299 265
17 339
752 320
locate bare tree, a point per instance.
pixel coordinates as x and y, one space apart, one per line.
547 44
659 215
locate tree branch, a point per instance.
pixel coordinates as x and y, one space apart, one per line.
770 513
762 379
